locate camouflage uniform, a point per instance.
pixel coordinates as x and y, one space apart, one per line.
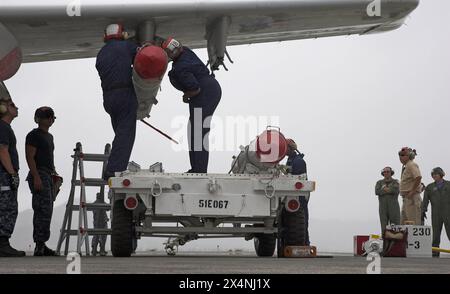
8 199
439 196
9 179
8 206
43 207
389 209
100 222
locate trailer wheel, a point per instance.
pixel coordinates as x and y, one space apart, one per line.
292 230
121 230
265 244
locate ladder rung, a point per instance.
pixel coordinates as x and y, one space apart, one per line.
90 232
93 206
91 182
94 157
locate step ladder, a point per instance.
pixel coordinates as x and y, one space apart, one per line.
83 231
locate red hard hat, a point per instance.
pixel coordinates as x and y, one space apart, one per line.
114 31
171 44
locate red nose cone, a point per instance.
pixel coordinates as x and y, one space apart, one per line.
10 63
271 146
10 54
150 62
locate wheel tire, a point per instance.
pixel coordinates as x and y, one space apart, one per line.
293 230
265 244
121 230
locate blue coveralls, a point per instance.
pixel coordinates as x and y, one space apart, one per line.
114 66
189 73
298 165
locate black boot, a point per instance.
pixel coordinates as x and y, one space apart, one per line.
7 251
103 251
42 250
48 251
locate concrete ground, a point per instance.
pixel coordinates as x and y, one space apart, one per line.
223 263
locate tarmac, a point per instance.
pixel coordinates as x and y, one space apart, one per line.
222 263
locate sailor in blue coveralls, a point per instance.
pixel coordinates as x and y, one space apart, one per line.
114 66
202 91
298 167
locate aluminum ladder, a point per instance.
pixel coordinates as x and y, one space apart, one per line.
83 230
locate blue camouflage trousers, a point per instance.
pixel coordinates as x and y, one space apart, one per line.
8 207
42 206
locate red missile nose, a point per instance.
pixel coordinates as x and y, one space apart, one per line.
150 62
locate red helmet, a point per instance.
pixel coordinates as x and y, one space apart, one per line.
172 45
114 31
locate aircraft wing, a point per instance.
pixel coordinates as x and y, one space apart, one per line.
68 29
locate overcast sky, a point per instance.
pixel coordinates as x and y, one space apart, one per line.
349 102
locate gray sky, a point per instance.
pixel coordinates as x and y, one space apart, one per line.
349 102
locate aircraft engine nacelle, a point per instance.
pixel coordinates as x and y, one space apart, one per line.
262 154
150 65
10 54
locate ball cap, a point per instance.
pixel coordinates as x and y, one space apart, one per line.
44 112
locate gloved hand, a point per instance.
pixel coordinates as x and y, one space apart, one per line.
190 94
14 181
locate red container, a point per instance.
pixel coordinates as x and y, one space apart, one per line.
358 244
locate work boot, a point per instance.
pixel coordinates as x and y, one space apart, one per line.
94 251
102 250
7 251
42 250
435 254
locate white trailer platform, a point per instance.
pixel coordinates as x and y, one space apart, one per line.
149 203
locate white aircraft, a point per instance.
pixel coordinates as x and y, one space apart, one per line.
32 31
